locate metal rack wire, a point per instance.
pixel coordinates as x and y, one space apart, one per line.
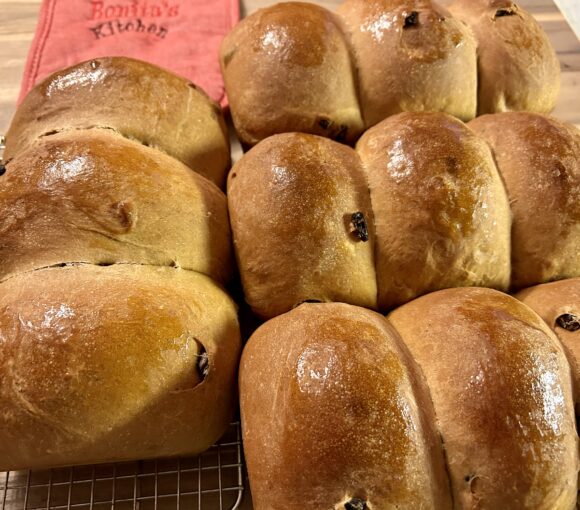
212 481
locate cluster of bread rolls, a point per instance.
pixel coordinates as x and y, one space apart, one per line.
425 202
299 67
117 340
460 399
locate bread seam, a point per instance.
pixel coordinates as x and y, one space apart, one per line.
106 264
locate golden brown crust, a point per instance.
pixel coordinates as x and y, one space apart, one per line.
291 200
539 160
332 409
411 55
100 364
517 66
442 217
137 99
287 68
558 303
501 390
94 196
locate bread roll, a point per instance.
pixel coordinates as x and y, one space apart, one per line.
302 224
136 99
558 303
411 55
335 416
442 217
539 160
94 196
501 389
101 364
287 68
517 66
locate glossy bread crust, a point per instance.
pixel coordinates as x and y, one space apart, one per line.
333 409
411 55
139 100
94 196
442 217
287 68
101 364
558 303
291 201
518 69
539 161
501 390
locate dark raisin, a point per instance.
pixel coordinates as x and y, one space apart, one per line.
359 226
355 504
411 19
50 133
504 12
568 322
95 64
324 123
202 363
2 169
342 132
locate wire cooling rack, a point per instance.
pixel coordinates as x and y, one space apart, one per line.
211 481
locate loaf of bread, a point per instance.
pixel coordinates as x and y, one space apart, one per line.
305 228
93 196
558 303
335 415
410 56
442 217
298 67
102 364
302 223
138 100
538 158
466 403
117 341
518 69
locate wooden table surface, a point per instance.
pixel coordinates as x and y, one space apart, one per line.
18 21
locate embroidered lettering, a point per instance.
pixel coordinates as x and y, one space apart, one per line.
118 27
107 10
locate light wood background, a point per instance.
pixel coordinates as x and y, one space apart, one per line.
18 21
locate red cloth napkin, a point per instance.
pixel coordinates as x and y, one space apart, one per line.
179 35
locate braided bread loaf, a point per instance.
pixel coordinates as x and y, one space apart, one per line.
298 67
117 340
437 215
